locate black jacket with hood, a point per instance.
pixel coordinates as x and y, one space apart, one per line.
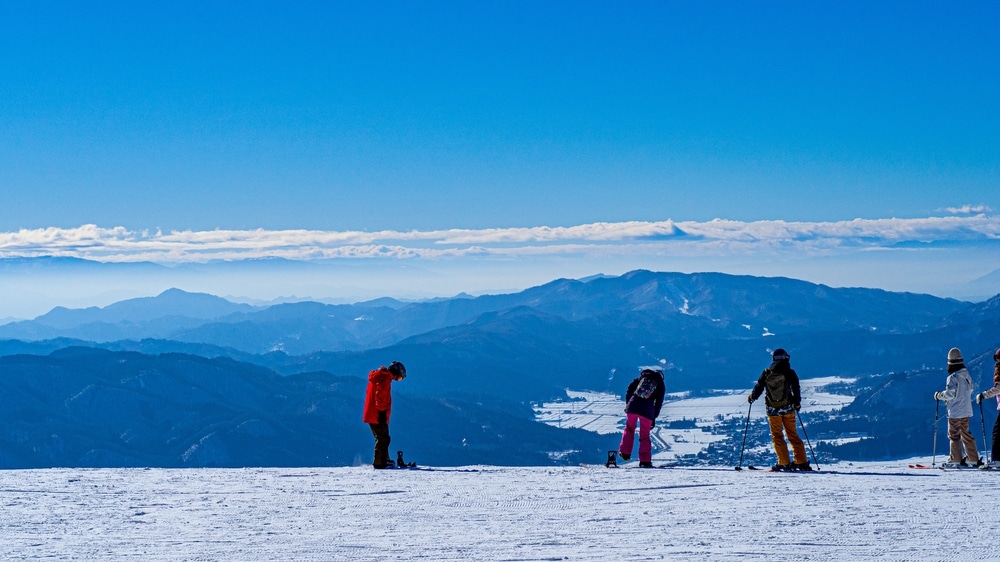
791 388
648 408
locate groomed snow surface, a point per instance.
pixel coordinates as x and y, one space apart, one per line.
846 512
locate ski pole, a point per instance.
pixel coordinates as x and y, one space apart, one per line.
745 427
806 435
937 409
982 420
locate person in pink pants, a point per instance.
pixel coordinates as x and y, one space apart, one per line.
643 401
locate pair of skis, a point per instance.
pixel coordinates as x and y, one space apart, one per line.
950 466
793 471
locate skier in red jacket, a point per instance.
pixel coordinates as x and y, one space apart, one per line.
378 406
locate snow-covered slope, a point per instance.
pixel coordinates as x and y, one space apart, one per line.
861 512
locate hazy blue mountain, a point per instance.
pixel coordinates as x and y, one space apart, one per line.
60 264
384 302
522 354
170 303
158 316
40 347
147 346
297 328
473 358
687 306
710 329
691 306
96 408
982 287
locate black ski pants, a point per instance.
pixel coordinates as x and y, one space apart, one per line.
994 452
381 432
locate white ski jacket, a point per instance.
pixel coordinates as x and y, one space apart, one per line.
995 391
958 394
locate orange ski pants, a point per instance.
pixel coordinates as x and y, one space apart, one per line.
786 423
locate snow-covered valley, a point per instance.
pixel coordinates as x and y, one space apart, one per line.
603 413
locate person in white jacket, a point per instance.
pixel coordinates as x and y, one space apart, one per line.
995 391
958 398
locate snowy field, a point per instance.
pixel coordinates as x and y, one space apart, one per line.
858 512
604 413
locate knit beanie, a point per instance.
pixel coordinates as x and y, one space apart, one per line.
954 356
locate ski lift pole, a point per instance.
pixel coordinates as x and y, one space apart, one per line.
806 435
745 427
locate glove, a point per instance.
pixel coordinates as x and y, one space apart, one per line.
979 398
750 399
939 395
797 407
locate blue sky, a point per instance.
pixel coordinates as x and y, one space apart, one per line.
430 116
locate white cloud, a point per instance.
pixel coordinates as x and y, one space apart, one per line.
717 237
968 210
940 255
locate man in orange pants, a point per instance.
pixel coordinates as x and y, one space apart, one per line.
783 399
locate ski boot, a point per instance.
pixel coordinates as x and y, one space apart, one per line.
950 464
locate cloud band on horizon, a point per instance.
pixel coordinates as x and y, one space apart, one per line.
683 238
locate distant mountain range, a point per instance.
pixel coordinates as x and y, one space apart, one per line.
713 305
473 359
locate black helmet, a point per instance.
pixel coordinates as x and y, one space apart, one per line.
996 356
651 373
780 355
397 369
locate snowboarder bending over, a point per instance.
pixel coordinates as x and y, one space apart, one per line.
378 407
995 391
957 395
783 399
643 401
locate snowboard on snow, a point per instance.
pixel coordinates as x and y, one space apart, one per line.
612 462
399 462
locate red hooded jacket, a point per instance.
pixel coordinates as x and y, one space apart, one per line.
379 395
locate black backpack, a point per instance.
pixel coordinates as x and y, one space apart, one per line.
777 389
